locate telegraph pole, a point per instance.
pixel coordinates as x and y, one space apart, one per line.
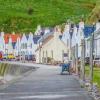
91 58
83 60
77 66
39 52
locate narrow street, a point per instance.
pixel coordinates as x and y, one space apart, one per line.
45 83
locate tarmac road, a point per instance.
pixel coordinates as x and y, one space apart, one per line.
45 83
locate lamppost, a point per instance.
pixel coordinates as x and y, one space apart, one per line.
70 47
70 37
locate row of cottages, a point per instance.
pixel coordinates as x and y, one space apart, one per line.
7 42
51 49
27 45
55 45
16 44
73 34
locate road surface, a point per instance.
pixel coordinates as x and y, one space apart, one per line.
45 83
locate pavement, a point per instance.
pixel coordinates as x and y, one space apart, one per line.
45 83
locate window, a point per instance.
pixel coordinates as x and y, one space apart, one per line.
22 46
25 46
43 53
62 55
52 53
31 45
67 42
88 43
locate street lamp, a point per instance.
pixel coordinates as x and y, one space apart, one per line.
71 32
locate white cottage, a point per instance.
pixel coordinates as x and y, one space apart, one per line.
66 38
97 41
2 43
52 48
96 30
18 46
24 41
30 44
74 40
10 46
80 36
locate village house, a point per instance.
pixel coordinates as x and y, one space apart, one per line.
23 48
80 36
28 45
36 44
10 41
18 46
51 48
88 30
66 38
2 43
97 41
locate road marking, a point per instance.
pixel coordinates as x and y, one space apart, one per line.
61 92
42 97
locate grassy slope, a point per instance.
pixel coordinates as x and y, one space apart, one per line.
14 13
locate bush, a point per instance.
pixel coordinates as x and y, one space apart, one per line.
30 11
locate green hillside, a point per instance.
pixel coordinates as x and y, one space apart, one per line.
25 15
95 14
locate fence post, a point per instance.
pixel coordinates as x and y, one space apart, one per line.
83 60
73 59
39 54
91 61
76 49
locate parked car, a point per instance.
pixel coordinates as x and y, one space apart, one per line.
1 56
11 56
5 56
17 58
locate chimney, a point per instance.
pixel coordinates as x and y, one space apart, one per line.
47 30
13 33
75 29
98 25
2 34
81 24
67 27
38 30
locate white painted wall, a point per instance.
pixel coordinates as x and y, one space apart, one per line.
74 36
66 35
2 44
55 45
23 43
18 47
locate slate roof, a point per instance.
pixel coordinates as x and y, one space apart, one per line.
44 36
27 36
14 44
36 38
60 37
88 30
